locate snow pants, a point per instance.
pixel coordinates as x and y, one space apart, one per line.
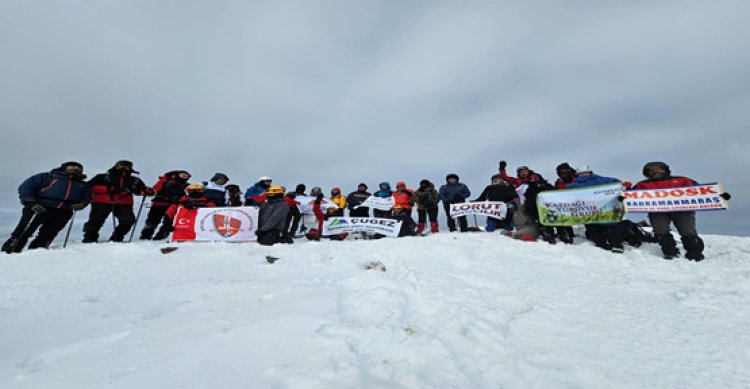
48 223
462 223
123 213
685 224
155 216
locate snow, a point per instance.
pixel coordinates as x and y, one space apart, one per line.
451 311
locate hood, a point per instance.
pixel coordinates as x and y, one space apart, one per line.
218 176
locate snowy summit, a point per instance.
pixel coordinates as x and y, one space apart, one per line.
443 311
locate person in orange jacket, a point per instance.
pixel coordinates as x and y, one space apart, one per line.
403 197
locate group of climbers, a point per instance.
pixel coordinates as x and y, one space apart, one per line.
50 199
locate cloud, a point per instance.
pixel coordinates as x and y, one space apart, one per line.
333 93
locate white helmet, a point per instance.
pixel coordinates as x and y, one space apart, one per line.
584 169
265 178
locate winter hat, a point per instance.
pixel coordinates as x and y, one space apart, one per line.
563 166
452 175
584 169
71 163
424 183
400 183
335 191
218 176
231 187
362 184
386 183
650 165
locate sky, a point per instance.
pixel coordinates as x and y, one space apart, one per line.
333 93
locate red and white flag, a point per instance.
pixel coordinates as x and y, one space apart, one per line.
232 224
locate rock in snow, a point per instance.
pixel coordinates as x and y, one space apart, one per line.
452 311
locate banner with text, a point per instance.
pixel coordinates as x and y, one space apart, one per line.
231 224
703 197
493 209
306 204
569 207
375 225
381 203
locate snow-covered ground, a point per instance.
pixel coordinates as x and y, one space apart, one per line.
450 311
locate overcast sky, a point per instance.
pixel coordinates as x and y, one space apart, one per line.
332 93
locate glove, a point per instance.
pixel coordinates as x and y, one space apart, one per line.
502 165
149 192
725 196
620 198
189 205
38 208
78 206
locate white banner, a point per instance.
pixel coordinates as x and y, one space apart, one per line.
231 224
493 209
589 205
381 203
375 225
704 197
306 204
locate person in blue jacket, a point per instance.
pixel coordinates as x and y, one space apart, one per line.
49 200
255 195
453 192
384 191
604 235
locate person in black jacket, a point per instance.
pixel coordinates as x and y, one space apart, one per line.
499 190
170 188
354 199
112 192
49 200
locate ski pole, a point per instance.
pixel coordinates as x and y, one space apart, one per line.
138 216
24 235
70 227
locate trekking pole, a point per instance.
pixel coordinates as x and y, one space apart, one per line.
23 237
137 216
70 227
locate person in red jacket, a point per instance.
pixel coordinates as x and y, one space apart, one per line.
112 192
660 176
196 198
524 175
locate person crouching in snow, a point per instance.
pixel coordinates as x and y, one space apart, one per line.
499 190
408 226
272 216
659 176
216 190
427 198
195 199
